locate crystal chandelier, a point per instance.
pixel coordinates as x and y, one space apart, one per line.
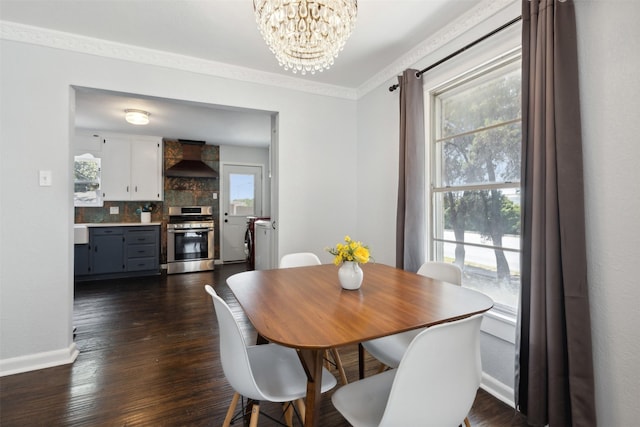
305 35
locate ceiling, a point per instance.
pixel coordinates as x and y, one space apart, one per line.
224 31
218 125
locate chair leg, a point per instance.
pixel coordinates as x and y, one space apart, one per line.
360 361
466 422
255 413
336 358
327 365
231 410
382 368
301 408
288 413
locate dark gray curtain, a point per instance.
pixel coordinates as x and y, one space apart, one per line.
554 367
411 218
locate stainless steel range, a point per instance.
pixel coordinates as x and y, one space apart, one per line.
190 239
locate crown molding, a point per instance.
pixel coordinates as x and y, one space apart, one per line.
482 11
92 46
76 43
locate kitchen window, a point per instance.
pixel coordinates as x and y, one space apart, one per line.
86 181
475 146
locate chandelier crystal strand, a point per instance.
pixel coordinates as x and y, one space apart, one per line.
305 35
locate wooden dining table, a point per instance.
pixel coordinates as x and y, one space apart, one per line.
305 308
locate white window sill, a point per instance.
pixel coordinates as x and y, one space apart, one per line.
500 324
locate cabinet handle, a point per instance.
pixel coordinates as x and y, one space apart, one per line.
136 188
127 188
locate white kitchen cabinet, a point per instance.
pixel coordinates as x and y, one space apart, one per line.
131 168
87 142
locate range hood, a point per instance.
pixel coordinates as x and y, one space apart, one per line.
191 165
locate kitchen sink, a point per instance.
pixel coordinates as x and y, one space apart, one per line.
80 234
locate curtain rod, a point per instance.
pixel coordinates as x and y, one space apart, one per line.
459 51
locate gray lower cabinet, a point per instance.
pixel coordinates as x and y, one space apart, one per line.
141 248
81 259
107 250
119 252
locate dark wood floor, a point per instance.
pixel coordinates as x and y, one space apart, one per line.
149 357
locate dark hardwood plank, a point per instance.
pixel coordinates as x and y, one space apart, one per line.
149 357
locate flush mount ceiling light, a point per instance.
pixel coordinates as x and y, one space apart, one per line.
305 35
136 117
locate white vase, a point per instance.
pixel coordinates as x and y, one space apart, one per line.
350 275
145 216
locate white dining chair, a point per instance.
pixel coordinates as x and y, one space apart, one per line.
302 259
444 271
390 349
299 259
435 383
267 372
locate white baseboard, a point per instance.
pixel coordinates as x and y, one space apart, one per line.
497 389
33 362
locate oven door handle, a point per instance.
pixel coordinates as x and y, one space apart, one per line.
190 230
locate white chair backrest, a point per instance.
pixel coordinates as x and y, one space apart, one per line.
233 349
438 376
299 259
444 271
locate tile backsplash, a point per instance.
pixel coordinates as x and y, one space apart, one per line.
126 212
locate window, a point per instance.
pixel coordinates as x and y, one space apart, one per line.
475 177
86 181
242 189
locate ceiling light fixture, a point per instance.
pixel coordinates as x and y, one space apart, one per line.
305 35
136 117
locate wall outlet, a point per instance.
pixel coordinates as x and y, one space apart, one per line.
114 210
215 196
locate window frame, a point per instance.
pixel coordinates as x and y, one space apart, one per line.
97 201
503 50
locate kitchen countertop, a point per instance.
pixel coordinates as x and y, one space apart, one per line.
81 230
118 224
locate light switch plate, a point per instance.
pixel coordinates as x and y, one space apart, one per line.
45 178
215 196
114 210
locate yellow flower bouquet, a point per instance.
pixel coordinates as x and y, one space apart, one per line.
350 250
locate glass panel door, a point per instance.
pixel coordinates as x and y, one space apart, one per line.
241 198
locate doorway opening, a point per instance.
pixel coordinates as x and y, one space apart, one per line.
237 131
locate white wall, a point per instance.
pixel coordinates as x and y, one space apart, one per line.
316 139
35 261
378 135
609 60
609 55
